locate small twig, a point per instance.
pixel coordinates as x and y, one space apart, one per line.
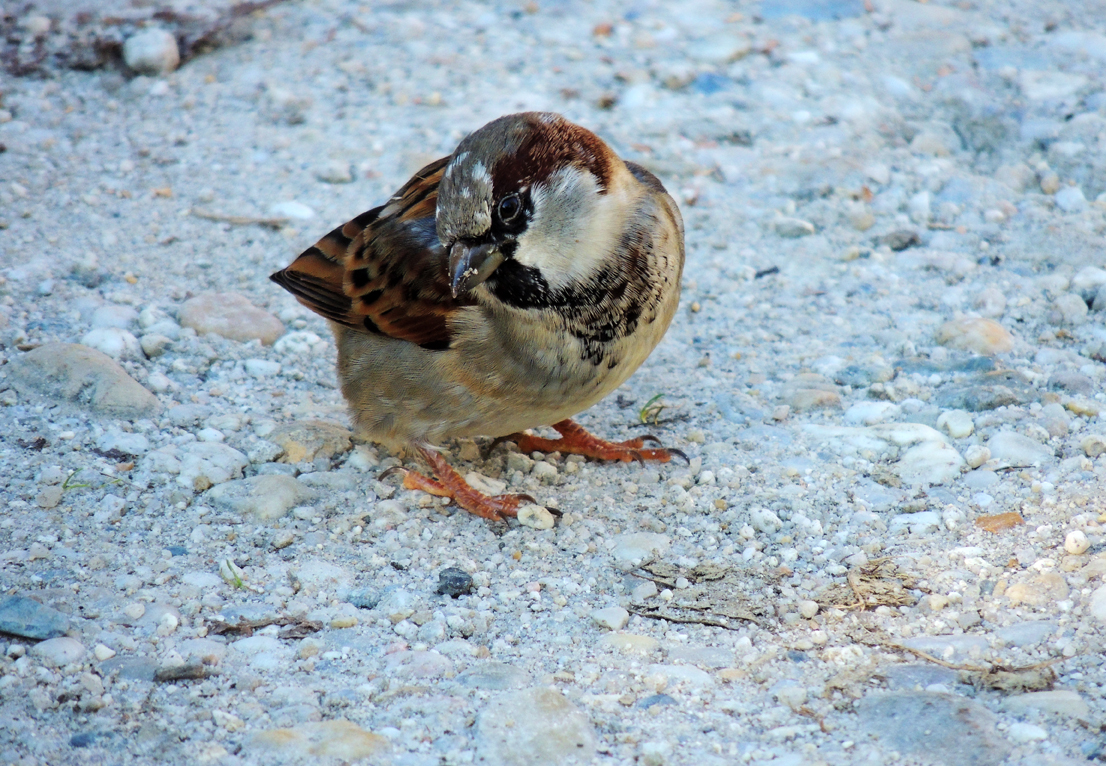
239 220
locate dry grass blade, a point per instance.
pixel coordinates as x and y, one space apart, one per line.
239 220
880 582
715 595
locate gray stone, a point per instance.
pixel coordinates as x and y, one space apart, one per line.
919 676
1063 702
127 443
535 726
25 617
611 618
494 676
1017 450
264 497
204 464
83 376
938 728
1026 633
949 648
637 548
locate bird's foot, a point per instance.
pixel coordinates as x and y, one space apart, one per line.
450 484
576 441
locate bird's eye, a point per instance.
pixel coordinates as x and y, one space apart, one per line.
509 208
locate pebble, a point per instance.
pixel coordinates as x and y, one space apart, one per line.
1076 542
334 172
1070 199
533 726
629 643
1062 702
636 548
83 376
611 617
793 228
151 52
1042 590
25 617
981 336
454 582
956 423
1069 309
311 439
112 315
937 727
1028 633
318 741
122 441
261 368
1093 445
871 413
230 315
1096 604
418 664
976 455
535 517
808 608
493 676
1021 732
265 497
204 464
116 343
59 651
1014 449
681 675
154 345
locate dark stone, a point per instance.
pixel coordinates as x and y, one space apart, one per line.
177 550
189 671
656 699
987 392
364 598
796 656
900 239
25 617
90 738
453 582
130 668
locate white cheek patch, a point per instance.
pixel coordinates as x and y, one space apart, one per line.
574 228
480 173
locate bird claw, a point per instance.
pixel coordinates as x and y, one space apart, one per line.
392 472
680 453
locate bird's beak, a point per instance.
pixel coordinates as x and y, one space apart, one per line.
469 265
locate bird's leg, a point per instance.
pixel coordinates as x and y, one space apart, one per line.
576 441
450 484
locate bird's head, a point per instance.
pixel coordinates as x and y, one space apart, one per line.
532 188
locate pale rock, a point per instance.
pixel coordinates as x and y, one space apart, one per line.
261 368
982 336
1096 604
1063 702
1070 309
152 52
533 726
113 341
535 517
633 549
1021 732
291 209
682 675
611 617
793 228
311 439
976 455
205 464
1093 445
869 413
956 423
629 643
1014 449
230 315
59 651
1076 542
121 441
1070 199
113 315
154 345
86 377
334 172
335 740
1050 85
265 497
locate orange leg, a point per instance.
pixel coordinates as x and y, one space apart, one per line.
450 484
576 441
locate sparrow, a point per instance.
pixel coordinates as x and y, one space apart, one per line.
508 286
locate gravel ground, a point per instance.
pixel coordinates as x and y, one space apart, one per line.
887 371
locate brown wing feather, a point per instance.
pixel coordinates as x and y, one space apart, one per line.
384 272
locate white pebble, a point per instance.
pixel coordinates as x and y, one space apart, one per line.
956 423
611 618
976 455
151 51
535 517
116 343
1076 542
